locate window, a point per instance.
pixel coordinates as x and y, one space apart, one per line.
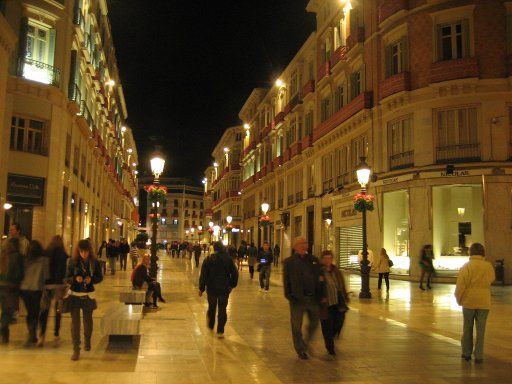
76 159
326 108
457 134
453 40
401 152
359 148
175 202
290 183
343 166
355 84
38 52
297 226
83 168
294 84
280 193
27 135
67 159
89 172
339 95
396 57
298 186
311 180
309 124
327 183
311 71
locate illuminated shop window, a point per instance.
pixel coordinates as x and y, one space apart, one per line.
396 230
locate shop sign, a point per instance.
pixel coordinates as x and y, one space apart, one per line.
393 180
349 212
26 190
456 173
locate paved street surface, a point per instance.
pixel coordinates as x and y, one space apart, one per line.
410 337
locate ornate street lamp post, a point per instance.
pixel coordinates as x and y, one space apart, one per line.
210 229
229 227
264 220
363 177
157 168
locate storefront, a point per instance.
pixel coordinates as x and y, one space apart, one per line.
458 221
396 230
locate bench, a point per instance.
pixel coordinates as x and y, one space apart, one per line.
122 320
133 296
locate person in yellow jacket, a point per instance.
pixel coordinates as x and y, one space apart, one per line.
473 293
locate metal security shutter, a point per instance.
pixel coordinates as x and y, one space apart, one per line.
350 242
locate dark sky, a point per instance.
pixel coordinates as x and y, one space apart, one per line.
188 66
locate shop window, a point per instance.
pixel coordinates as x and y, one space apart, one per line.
396 230
27 135
457 222
349 243
453 40
401 150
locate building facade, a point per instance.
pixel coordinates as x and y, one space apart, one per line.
419 88
181 215
68 160
222 185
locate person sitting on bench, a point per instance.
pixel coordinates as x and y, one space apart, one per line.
142 281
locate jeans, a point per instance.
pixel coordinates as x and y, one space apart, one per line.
32 301
196 258
472 317
276 261
265 277
56 292
331 326
112 265
122 261
75 325
297 310
251 271
173 252
386 278
221 301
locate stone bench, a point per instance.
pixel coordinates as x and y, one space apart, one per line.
122 320
132 296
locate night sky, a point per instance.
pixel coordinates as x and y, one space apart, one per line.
188 66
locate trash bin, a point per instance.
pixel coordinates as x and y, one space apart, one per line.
499 270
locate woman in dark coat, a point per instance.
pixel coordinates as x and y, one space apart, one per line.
427 265
84 271
141 280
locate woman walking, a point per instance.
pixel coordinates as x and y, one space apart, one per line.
277 253
333 304
55 287
473 293
11 275
83 273
382 267
427 265
32 285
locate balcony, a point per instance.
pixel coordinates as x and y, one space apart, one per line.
344 179
308 88
454 69
394 84
290 200
38 71
327 185
363 101
390 7
401 160
278 161
355 38
74 93
278 119
295 149
307 141
86 114
264 170
458 153
298 197
324 70
295 100
338 55
266 130
311 191
287 155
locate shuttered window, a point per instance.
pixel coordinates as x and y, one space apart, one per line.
350 242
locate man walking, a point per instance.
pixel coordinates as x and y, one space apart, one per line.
124 249
218 277
302 288
197 253
252 257
265 260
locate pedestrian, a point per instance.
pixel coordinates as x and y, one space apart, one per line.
134 254
197 254
242 252
32 285
83 273
302 288
218 277
142 281
333 305
277 254
382 267
11 275
124 249
102 256
174 249
252 258
55 288
427 265
111 255
473 293
265 259
15 231
190 250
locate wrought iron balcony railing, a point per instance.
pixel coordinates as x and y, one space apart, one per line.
86 114
401 160
38 71
458 152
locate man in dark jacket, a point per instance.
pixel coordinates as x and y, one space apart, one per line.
302 288
124 250
197 253
218 277
265 259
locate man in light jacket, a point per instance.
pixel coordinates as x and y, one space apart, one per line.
473 293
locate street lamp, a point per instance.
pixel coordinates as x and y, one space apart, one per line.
192 230
157 168
264 220
363 177
264 208
229 219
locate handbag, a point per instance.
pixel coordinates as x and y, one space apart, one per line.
390 262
